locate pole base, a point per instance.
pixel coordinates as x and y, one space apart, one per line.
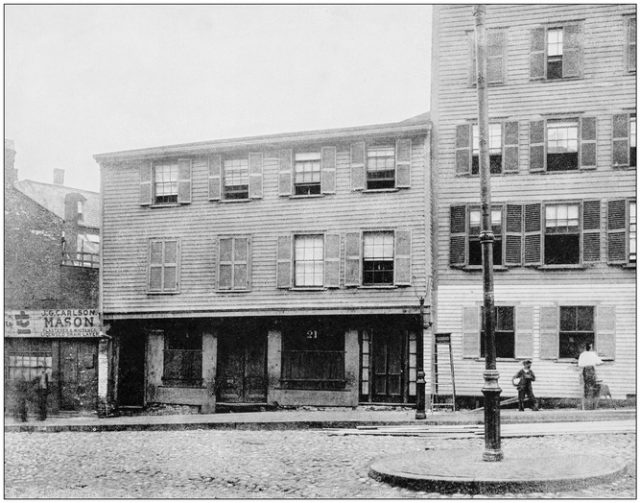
492 455
421 415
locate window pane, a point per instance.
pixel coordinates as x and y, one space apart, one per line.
632 231
170 252
562 136
584 318
225 276
632 132
225 249
554 42
236 172
495 139
166 179
378 246
156 252
155 282
380 166
240 276
170 278
309 260
567 318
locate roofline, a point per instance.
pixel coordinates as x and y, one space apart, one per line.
274 139
58 185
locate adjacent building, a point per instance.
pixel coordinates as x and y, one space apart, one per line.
51 319
562 112
282 269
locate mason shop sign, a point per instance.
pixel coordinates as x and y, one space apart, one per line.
52 323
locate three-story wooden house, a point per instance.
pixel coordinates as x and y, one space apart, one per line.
562 111
275 269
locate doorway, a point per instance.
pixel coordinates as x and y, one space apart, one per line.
78 381
131 349
242 367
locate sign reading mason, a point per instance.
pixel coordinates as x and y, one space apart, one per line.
52 323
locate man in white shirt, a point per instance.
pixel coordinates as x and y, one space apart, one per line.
587 362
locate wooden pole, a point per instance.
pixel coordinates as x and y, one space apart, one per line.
420 381
491 389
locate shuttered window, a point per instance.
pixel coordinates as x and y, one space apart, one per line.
555 52
632 232
503 148
163 272
505 334
378 258
624 140
495 149
621 232
309 260
496 56
562 145
474 246
562 234
306 180
381 167
165 183
233 263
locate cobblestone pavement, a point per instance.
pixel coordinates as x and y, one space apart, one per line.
251 464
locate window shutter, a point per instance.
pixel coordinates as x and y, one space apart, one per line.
537 64
458 235
620 140
588 157
532 234
524 332
470 332
471 41
402 266
357 152
184 181
495 56
215 177
463 149
513 256
241 263
617 231
225 263
255 175
284 262
285 175
511 150
352 259
403 163
549 336
606 336
572 51
591 231
631 45
146 175
328 170
332 260
537 146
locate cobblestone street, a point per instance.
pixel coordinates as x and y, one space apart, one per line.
250 464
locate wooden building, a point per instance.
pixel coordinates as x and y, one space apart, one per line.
280 269
562 111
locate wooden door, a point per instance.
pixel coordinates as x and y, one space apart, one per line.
242 366
78 379
131 348
388 362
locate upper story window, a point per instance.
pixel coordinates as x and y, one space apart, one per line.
631 44
163 265
556 52
233 263
562 145
165 183
632 232
236 178
309 260
381 164
496 57
475 226
495 149
562 234
624 140
632 141
621 231
378 258
307 173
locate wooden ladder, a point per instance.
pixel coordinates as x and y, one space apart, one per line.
445 382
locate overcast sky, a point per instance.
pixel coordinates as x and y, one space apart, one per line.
88 79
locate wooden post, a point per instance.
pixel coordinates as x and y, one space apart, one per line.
491 389
420 382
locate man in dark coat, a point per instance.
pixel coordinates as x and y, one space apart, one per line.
523 380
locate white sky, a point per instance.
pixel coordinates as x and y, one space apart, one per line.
88 79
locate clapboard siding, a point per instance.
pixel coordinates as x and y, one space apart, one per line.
605 88
128 227
554 378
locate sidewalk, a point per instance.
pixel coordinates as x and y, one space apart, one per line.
305 419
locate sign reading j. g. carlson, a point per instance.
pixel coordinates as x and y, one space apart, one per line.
52 323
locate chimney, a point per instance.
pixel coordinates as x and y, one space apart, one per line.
58 176
10 173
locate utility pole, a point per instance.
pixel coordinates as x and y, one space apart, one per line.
420 382
491 389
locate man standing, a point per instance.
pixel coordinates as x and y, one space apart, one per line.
42 388
523 380
587 362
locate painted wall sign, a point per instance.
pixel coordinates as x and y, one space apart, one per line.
51 323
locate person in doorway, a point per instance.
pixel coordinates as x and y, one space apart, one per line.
522 381
42 389
21 391
587 362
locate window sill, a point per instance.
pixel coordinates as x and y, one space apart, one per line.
163 293
378 287
478 268
549 81
500 359
303 196
166 205
579 267
307 288
378 191
623 166
227 201
238 290
168 384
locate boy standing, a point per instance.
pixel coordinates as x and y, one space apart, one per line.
523 380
